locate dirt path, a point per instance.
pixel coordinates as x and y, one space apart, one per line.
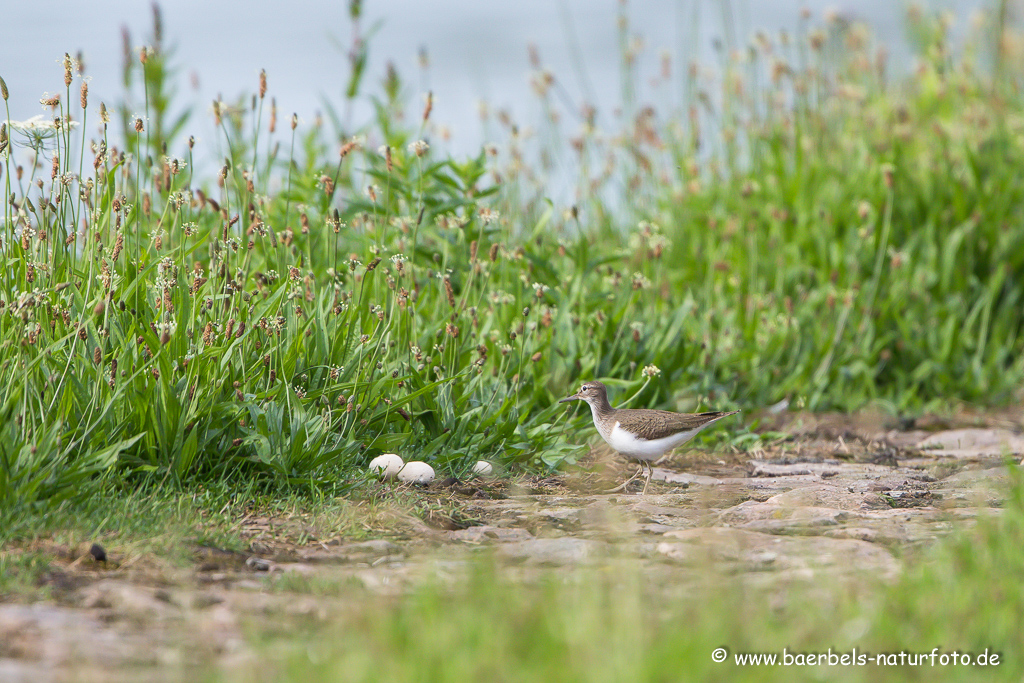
828 503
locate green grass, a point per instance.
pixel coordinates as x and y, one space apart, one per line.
164 527
161 525
799 228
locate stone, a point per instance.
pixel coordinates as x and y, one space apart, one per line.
827 496
364 551
769 517
755 551
804 509
259 564
972 488
552 551
987 479
484 534
683 478
973 443
760 468
562 517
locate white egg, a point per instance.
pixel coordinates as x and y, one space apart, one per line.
387 465
416 472
483 468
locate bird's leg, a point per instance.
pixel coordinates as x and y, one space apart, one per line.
623 485
647 481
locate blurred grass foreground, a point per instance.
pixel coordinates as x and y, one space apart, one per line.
804 221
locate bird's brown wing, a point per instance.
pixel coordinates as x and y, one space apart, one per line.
658 424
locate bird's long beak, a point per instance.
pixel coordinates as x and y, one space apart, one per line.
574 397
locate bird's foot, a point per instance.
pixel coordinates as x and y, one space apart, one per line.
623 485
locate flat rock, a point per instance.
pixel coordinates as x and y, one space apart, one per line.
760 468
552 551
777 518
350 552
988 478
650 510
860 533
656 528
39 642
906 440
973 488
488 534
562 517
973 443
124 599
896 527
799 508
670 477
755 551
828 496
297 568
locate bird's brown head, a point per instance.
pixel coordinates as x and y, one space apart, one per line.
593 393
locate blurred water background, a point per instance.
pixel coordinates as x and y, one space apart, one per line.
465 51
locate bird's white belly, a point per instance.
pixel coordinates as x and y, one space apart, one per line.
646 449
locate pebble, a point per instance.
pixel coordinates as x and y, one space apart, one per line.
98 553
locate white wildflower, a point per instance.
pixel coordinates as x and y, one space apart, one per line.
651 371
419 147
